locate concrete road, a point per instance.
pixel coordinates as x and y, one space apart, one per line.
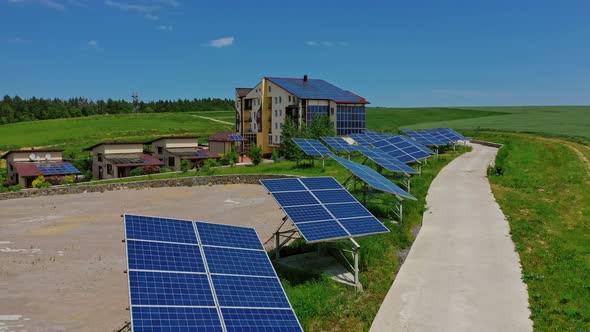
462 273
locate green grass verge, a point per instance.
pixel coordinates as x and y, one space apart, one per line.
544 193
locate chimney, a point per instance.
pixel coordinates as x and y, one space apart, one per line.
305 78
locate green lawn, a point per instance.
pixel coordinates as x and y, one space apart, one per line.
544 194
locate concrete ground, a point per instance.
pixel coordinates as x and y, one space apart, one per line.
462 273
62 259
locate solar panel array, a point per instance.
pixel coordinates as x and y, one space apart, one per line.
322 210
425 138
338 144
372 178
400 149
312 147
377 135
57 169
196 276
384 160
364 139
446 134
414 143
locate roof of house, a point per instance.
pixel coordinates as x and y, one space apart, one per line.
171 137
133 159
226 136
29 150
242 92
191 153
27 169
111 143
317 89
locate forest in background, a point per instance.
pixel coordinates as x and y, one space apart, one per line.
17 109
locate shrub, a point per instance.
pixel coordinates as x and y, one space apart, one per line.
255 154
208 166
68 179
184 165
40 182
165 170
230 158
55 180
8 183
146 170
275 155
137 171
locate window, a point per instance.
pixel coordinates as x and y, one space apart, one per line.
109 169
350 119
160 150
280 100
289 98
276 125
99 157
332 110
269 90
171 161
276 113
280 112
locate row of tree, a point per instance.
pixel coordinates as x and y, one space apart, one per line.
17 109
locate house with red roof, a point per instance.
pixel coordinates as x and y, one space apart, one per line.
24 166
261 111
172 150
113 160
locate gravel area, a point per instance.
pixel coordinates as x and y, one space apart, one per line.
62 259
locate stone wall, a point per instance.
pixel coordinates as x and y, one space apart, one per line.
178 182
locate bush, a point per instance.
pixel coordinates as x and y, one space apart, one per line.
165 170
8 183
230 158
55 180
255 154
207 168
275 155
40 182
68 179
137 171
184 165
146 170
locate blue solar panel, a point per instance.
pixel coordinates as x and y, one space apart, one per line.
363 139
168 319
315 89
361 226
373 178
57 168
425 138
171 285
241 291
401 149
236 137
228 236
415 143
386 161
160 229
158 256
312 147
319 220
276 185
164 288
260 320
338 143
238 261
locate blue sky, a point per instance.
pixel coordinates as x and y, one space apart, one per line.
394 53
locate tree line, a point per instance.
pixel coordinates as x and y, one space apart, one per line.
17 109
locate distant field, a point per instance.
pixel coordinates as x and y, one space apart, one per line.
571 121
76 133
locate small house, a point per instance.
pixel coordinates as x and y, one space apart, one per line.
223 142
24 166
117 159
171 150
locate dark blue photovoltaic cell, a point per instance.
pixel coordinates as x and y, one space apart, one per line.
259 320
321 183
312 147
385 160
164 288
295 198
373 178
57 168
365 225
415 143
228 236
157 256
321 230
334 196
401 149
237 261
160 229
275 185
177 319
315 89
338 143
307 213
239 291
363 139
347 210
236 137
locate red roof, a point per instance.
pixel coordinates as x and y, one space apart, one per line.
26 169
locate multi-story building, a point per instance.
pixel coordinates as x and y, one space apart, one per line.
261 111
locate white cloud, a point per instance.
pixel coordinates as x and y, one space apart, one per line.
92 43
131 7
17 40
325 43
165 28
222 42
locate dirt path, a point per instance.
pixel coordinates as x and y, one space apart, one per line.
62 260
212 119
462 272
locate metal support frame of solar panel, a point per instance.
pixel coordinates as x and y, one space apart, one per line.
338 144
321 210
313 147
190 276
402 150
